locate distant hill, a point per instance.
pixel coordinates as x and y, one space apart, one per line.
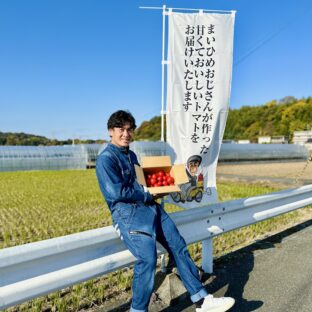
281 117
249 122
149 130
9 138
273 118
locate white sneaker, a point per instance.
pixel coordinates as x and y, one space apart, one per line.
212 304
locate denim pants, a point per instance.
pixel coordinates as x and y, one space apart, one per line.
140 226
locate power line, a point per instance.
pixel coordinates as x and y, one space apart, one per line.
268 38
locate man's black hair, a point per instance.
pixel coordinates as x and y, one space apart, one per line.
119 119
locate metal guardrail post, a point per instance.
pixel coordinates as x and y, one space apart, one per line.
207 258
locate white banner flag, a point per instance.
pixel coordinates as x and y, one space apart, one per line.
200 53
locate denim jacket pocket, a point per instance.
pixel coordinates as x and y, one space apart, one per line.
125 212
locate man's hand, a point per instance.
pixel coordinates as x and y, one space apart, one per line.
158 196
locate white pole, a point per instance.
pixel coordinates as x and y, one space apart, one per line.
162 138
188 9
163 75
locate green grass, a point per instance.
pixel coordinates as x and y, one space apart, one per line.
40 205
60 203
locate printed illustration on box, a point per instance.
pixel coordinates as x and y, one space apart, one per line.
194 188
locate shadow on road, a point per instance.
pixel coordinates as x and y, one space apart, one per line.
231 274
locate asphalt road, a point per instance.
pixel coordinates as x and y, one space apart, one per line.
272 275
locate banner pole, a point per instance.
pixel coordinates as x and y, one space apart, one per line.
163 74
189 9
163 262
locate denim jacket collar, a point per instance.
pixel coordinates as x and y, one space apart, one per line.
123 149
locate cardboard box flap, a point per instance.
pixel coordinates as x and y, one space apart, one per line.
157 161
164 189
179 174
140 175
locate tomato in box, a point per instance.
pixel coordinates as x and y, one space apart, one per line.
162 179
160 167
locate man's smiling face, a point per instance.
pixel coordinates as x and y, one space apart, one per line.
121 137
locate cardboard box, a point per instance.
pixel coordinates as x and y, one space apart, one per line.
153 164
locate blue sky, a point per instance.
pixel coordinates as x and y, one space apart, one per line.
66 65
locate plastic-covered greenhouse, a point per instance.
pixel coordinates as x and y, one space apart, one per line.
92 151
262 152
13 158
232 152
145 148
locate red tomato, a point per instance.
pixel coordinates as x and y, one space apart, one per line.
159 184
170 180
149 176
165 183
153 181
159 178
154 176
161 173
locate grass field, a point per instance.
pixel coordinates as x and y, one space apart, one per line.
45 204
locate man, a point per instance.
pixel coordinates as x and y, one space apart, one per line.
141 221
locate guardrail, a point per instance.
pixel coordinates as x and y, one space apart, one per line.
35 269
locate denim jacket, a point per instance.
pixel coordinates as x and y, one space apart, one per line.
117 180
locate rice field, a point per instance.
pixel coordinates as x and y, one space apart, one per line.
38 205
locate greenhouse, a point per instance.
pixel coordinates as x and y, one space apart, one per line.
262 152
92 151
145 148
233 152
14 158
